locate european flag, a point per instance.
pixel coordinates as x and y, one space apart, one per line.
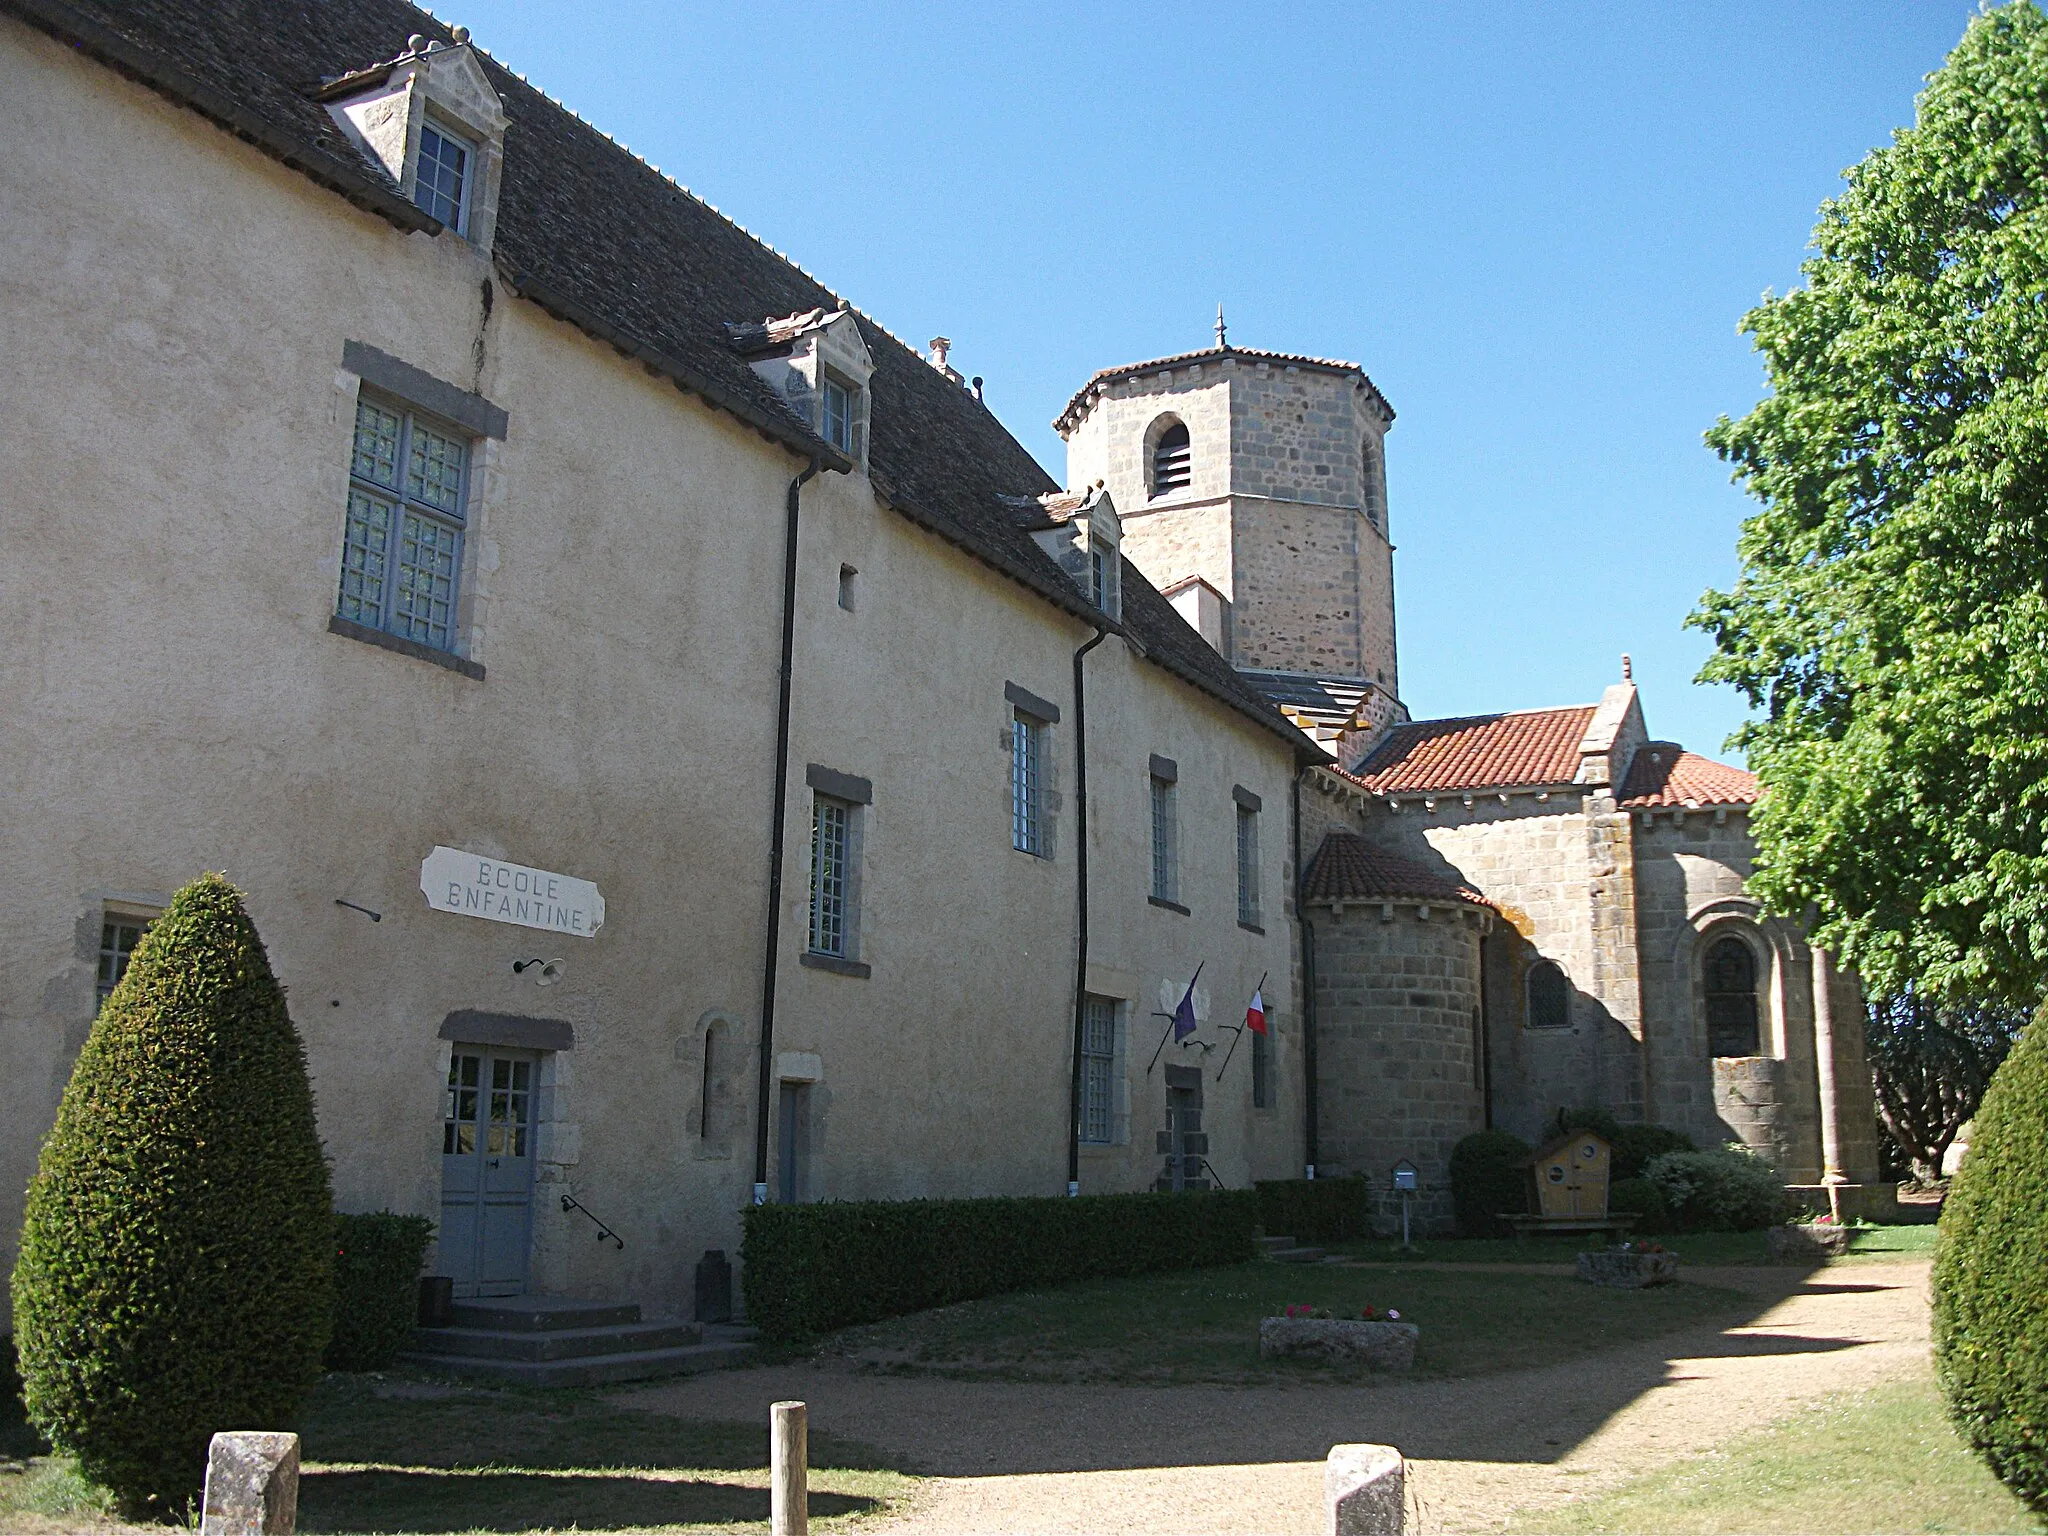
1184 1015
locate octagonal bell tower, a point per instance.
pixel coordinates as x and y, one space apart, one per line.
1252 490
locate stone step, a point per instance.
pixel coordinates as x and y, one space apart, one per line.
1296 1255
538 1314
594 1370
555 1343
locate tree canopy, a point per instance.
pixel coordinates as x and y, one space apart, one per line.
1890 623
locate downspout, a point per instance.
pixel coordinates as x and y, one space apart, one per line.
1081 912
772 943
1308 986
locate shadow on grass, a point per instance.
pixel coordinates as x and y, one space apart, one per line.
431 1501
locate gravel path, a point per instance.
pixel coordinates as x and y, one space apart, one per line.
1206 1461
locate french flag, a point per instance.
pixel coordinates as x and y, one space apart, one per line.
1255 1016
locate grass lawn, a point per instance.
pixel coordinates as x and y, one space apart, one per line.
1202 1325
510 1461
1869 1245
1882 1460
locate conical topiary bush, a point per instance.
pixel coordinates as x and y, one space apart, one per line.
176 1268
1991 1277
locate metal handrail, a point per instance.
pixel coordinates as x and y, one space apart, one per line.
570 1203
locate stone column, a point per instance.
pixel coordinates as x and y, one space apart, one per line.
1824 1068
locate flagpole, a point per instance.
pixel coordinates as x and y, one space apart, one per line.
1187 1001
1162 1041
1256 991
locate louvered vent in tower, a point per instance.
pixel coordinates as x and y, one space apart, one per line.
1173 461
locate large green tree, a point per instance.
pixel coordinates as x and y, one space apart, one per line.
1890 624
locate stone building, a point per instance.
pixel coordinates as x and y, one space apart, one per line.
1507 915
413 497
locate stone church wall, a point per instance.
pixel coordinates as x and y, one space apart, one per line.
1397 1002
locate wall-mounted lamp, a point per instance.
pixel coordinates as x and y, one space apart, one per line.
545 972
375 917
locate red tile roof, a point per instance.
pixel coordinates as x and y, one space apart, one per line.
1348 868
1665 774
1076 408
1530 746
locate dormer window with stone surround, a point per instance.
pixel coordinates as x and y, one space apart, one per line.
1082 534
430 120
820 365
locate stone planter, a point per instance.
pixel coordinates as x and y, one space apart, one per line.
1808 1242
1628 1271
1376 1346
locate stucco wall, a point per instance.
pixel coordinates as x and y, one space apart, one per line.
175 307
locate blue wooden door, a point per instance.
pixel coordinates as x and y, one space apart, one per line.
487 1170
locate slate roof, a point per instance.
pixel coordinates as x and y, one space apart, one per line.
1526 748
1664 774
1070 417
1329 701
605 242
1348 868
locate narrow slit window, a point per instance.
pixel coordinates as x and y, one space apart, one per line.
1027 785
831 848
1248 866
847 577
1165 839
1099 1053
1262 1070
704 1101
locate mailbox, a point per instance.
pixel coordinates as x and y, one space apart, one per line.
1404 1177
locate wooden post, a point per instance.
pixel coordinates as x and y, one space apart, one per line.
788 1470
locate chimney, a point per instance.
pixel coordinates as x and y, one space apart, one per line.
941 345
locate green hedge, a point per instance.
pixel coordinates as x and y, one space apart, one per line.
1489 1179
377 1259
809 1268
1315 1210
1990 1305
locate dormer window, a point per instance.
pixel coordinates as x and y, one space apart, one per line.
431 121
818 362
1102 574
441 184
1173 460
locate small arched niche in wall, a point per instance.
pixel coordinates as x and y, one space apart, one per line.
714 1056
1549 996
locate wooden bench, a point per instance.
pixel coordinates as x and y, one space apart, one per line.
1523 1225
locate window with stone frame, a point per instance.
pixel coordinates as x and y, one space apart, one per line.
1165 839
1550 996
1262 1067
1733 1025
401 555
840 414
831 928
120 932
1102 1057
1247 866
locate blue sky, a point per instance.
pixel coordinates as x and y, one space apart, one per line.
1536 226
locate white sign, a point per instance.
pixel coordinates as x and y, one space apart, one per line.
475 886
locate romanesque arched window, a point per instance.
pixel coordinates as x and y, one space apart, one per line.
1173 460
1550 996
1731 999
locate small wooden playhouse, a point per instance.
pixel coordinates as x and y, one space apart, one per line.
1568 1181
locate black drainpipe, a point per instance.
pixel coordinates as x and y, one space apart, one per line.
1081 891
1308 988
781 825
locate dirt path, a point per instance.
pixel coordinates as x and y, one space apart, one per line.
1192 1461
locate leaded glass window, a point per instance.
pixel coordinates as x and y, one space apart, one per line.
118 938
1099 1055
401 555
441 183
1027 785
831 847
1165 840
1731 1000
1550 996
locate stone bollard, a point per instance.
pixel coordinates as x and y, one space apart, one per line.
252 1484
789 1503
1364 1490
